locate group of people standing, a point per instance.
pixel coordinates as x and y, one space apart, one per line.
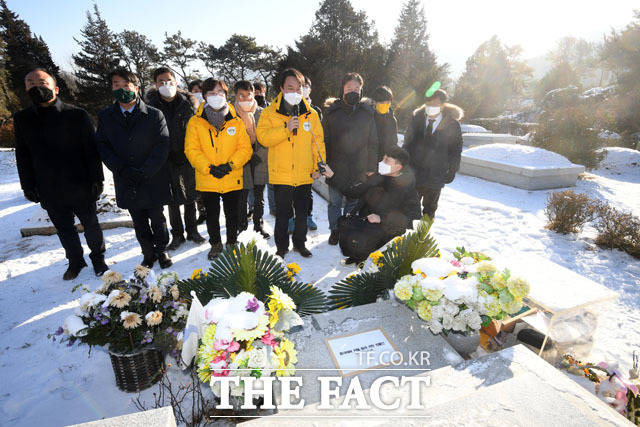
193 151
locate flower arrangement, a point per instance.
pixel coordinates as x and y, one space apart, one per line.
245 337
460 294
129 314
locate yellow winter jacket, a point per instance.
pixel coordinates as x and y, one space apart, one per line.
292 158
204 145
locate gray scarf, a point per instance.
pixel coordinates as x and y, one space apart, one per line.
216 118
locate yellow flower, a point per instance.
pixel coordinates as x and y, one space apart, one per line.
498 282
397 239
518 287
485 267
130 320
294 268
403 289
376 256
153 318
423 308
196 274
252 334
119 299
512 306
278 300
287 357
155 293
175 293
432 294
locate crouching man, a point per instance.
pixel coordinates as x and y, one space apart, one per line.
388 203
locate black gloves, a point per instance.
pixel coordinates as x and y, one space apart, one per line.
96 189
220 171
132 174
32 196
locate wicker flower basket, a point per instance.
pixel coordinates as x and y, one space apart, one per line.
139 370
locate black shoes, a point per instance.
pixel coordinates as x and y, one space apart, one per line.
262 232
216 249
100 267
148 260
196 238
74 269
302 250
357 262
334 238
164 260
281 253
176 242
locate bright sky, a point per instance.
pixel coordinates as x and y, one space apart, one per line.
456 27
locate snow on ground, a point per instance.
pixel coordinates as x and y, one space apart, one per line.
44 383
518 155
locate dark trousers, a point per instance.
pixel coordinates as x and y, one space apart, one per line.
230 203
430 197
243 217
175 219
200 205
62 218
286 196
258 206
310 204
151 229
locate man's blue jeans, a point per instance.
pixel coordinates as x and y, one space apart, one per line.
335 209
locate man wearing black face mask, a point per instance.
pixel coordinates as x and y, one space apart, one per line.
59 167
352 148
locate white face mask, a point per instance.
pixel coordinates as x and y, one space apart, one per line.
383 168
216 101
293 98
168 91
433 111
245 105
198 96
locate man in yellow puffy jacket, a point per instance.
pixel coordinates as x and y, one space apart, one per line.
292 132
218 146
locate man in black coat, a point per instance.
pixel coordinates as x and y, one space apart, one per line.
178 107
133 141
386 123
59 167
387 206
351 141
434 143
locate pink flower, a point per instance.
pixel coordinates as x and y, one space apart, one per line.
269 339
219 366
225 345
233 346
456 263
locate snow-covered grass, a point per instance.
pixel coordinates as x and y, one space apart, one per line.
44 383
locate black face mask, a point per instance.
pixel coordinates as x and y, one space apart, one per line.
352 98
40 94
260 100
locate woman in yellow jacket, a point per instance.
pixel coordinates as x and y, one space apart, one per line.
217 145
292 132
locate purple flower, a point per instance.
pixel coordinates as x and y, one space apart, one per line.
71 342
148 337
252 305
169 329
104 321
59 331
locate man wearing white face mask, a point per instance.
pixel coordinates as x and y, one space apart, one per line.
178 107
434 143
387 205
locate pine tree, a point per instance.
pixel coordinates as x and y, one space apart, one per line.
140 55
24 51
412 65
180 53
99 55
339 41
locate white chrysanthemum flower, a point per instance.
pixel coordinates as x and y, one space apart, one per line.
111 278
130 320
181 312
167 279
471 318
435 326
153 318
258 358
447 321
459 324
90 299
467 260
155 294
141 272
117 298
175 292
437 311
403 289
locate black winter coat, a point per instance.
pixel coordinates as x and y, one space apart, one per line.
56 154
393 199
177 113
435 158
387 128
351 141
141 146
